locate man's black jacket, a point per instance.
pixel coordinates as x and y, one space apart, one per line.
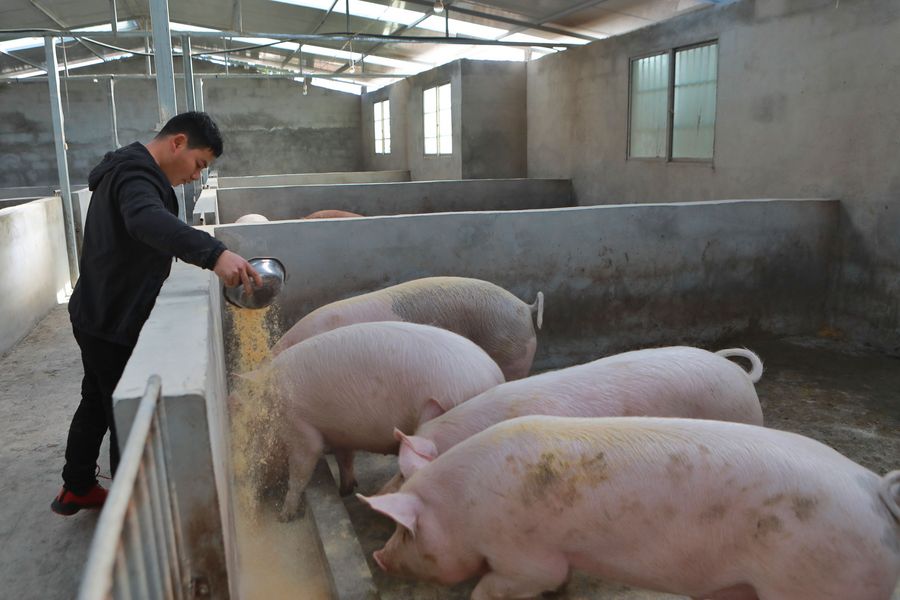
130 236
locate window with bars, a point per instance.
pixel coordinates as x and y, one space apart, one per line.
383 127
438 122
682 84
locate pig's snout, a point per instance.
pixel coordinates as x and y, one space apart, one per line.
378 555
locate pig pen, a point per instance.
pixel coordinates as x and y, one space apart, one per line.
754 273
279 203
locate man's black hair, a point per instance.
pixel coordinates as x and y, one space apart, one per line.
200 129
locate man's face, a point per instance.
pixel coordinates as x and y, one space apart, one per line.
186 163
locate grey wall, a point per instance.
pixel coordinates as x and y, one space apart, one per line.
398 94
40 191
313 178
489 119
493 136
34 263
268 125
372 199
614 277
8 202
407 125
806 106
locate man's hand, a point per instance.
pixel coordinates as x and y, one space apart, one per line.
233 270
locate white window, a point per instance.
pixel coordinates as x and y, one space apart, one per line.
695 102
383 127
687 92
649 103
438 122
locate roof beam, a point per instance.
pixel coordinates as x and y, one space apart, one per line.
559 15
20 59
511 21
398 30
60 23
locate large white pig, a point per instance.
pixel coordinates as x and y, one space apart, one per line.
481 311
707 509
677 381
347 389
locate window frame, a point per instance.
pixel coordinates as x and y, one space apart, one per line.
670 106
438 154
376 125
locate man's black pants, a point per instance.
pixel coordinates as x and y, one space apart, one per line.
103 365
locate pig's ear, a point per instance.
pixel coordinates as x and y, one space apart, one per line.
431 410
402 507
415 453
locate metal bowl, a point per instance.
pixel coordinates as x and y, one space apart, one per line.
273 275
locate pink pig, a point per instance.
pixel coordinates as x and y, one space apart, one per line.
707 509
346 389
678 381
481 311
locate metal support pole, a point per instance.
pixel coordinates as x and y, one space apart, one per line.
62 166
112 112
192 190
188 72
165 74
149 58
114 17
200 106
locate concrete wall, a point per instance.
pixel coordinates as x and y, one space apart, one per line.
40 191
8 202
313 178
34 263
401 142
271 127
81 201
279 203
407 126
27 153
489 120
806 106
493 136
188 316
614 277
268 125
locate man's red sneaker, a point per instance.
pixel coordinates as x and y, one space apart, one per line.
67 503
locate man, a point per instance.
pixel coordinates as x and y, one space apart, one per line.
131 234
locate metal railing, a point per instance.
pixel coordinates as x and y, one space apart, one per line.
136 552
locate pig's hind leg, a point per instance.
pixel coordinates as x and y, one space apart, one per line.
344 460
521 577
304 446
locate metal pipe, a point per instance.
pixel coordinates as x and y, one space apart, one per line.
321 37
191 190
147 50
62 165
165 74
112 112
114 22
201 76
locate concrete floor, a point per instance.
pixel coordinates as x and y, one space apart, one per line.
41 554
821 388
